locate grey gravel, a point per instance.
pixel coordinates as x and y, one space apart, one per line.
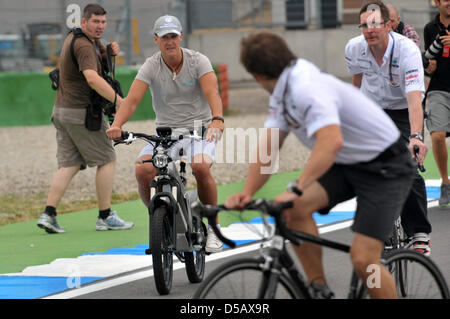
28 154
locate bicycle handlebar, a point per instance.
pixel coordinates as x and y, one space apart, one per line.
264 206
130 137
416 155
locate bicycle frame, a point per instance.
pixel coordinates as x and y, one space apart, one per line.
278 257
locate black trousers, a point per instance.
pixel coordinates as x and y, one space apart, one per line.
414 214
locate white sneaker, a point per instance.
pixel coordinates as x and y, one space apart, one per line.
421 243
213 244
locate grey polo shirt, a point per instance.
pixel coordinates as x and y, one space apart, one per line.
180 102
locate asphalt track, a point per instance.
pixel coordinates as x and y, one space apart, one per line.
337 267
23 245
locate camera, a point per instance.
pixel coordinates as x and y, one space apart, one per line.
435 48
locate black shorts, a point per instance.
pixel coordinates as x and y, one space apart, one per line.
381 187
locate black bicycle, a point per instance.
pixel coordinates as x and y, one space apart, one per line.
174 228
273 273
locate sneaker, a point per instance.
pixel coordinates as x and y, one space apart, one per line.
421 243
50 224
112 222
444 200
213 244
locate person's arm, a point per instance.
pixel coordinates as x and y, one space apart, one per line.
130 103
352 63
428 39
210 90
415 111
255 176
413 77
357 80
96 82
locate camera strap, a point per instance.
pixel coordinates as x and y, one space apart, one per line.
111 60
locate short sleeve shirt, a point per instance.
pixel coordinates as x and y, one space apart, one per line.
74 92
407 71
298 104
178 103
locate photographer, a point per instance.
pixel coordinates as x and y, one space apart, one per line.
437 43
80 127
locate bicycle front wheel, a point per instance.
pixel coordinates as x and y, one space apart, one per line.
416 276
162 256
195 261
244 278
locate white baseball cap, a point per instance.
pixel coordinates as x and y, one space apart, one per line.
167 24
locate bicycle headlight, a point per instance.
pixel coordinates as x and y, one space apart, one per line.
160 160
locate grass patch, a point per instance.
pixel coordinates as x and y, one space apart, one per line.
22 208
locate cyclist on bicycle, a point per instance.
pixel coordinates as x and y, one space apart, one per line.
388 68
184 90
356 151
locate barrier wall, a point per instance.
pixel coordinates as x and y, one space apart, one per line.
26 98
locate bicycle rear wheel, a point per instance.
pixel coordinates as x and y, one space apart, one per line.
244 278
416 276
162 253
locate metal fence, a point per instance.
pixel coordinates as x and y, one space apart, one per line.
32 31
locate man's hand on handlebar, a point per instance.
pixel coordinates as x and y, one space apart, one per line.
423 149
114 132
237 201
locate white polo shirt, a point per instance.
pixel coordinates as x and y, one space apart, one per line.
305 100
407 70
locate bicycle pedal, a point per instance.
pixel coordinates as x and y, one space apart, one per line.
148 251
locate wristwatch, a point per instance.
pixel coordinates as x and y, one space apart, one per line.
419 136
218 118
292 187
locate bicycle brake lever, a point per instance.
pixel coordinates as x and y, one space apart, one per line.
202 210
229 242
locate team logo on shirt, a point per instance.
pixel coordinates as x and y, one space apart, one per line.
395 63
412 77
272 110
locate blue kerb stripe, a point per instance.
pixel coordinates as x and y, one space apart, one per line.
332 217
433 192
18 287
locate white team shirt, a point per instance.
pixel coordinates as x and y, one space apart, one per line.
315 100
407 70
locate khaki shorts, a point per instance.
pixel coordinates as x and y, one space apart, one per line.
76 145
438 105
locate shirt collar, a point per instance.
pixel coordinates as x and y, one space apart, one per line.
387 53
281 86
